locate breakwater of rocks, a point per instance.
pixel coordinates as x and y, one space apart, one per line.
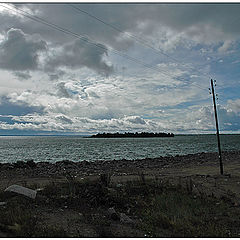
85 168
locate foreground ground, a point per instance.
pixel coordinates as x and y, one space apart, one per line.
182 196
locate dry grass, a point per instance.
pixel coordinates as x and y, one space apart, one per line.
157 207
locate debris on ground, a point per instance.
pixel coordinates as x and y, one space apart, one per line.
22 190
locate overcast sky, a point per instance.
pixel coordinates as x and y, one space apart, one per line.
118 67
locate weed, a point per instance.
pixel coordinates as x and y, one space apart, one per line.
105 179
189 185
142 177
16 218
184 215
162 209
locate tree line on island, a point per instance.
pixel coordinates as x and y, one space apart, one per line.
131 135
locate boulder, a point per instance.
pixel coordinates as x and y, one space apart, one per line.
20 164
31 163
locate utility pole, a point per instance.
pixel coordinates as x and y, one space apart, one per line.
218 138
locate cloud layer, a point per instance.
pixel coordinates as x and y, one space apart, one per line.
86 84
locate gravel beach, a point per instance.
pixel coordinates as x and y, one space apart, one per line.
114 167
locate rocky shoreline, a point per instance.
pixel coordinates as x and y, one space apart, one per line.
115 167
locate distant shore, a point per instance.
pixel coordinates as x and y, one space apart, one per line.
132 135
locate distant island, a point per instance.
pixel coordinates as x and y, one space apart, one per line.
131 135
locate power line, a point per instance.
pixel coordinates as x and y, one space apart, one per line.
136 38
89 41
79 36
142 40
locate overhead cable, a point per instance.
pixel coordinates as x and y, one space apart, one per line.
86 39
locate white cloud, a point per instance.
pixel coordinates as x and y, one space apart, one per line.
225 46
56 122
112 97
234 105
191 120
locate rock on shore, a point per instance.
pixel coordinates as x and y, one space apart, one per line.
85 168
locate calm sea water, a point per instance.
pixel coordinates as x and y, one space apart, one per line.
41 148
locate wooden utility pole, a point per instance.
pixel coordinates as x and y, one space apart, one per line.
216 120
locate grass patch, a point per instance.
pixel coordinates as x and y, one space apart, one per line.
175 213
16 218
157 208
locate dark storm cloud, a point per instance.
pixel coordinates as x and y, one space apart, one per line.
22 75
69 18
128 17
20 52
80 53
141 19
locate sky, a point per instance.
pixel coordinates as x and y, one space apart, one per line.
86 68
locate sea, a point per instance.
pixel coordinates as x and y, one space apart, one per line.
75 148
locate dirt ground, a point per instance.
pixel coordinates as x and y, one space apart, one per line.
205 175
200 178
